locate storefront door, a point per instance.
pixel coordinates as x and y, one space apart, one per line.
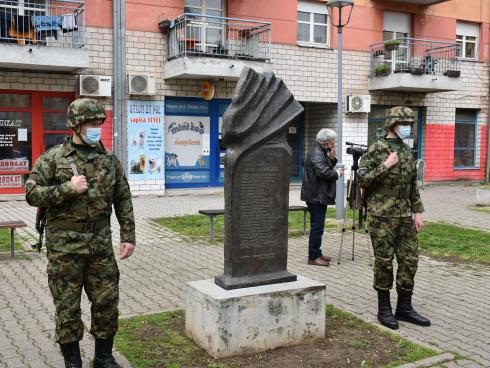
30 122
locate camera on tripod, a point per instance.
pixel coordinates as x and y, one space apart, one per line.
356 149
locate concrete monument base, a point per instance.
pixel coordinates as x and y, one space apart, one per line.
249 320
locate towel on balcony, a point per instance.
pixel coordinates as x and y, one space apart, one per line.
21 29
69 23
47 25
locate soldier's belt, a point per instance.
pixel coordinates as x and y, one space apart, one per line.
392 192
80 227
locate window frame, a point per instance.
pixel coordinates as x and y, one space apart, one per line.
474 123
313 8
463 41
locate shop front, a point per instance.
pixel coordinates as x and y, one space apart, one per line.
30 123
193 145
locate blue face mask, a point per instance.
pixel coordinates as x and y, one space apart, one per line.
404 131
92 135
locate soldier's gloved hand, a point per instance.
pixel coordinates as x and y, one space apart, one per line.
392 160
79 182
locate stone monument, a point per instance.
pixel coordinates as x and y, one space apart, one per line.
270 307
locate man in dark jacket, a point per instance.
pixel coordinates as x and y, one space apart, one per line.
318 190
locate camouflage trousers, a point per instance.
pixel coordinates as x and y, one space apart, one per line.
68 273
391 236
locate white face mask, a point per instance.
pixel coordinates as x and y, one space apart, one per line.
404 131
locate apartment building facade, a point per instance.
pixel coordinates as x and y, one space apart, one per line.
183 58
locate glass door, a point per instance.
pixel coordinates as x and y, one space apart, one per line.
54 120
206 30
15 141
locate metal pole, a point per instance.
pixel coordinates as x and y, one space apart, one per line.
339 198
119 99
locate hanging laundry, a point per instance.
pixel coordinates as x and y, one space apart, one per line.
47 25
70 23
21 29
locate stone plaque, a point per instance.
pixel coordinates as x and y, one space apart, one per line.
257 181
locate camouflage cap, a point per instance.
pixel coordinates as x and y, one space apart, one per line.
84 109
399 115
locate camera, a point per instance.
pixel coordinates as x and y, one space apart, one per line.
356 149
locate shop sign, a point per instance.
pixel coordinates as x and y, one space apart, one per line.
14 165
186 177
10 181
146 154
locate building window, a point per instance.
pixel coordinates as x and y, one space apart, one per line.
467 38
312 23
465 138
206 33
397 26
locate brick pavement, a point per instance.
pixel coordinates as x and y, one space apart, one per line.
454 297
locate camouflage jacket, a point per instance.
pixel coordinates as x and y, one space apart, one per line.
390 192
49 186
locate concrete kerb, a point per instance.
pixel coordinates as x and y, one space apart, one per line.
429 362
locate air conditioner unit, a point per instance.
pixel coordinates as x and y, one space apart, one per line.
141 84
358 103
96 85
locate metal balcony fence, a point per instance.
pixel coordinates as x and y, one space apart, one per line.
43 22
205 35
416 56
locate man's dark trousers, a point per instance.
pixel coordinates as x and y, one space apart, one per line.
317 219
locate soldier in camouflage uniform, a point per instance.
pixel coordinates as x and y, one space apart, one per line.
78 182
388 175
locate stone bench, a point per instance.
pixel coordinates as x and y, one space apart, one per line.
213 213
12 225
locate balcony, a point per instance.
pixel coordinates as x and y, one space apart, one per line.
419 66
209 47
43 35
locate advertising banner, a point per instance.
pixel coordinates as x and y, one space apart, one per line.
15 141
10 181
146 154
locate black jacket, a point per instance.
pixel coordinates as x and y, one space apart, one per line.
320 177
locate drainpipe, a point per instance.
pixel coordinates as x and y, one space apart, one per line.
119 97
487 176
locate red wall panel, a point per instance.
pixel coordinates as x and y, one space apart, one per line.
439 155
107 132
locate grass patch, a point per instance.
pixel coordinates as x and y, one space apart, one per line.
5 241
484 185
455 243
196 227
159 341
481 209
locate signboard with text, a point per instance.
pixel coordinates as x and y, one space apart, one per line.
146 154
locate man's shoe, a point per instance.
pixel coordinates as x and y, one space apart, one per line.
318 262
103 354
385 314
71 354
326 258
405 311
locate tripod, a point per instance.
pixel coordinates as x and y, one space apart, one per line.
354 202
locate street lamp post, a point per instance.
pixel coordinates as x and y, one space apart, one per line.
339 4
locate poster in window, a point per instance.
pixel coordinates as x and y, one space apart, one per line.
146 140
187 142
15 141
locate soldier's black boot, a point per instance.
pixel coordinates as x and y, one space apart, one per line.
405 311
71 354
103 354
385 313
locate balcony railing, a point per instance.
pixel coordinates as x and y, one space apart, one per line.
211 36
416 56
43 22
